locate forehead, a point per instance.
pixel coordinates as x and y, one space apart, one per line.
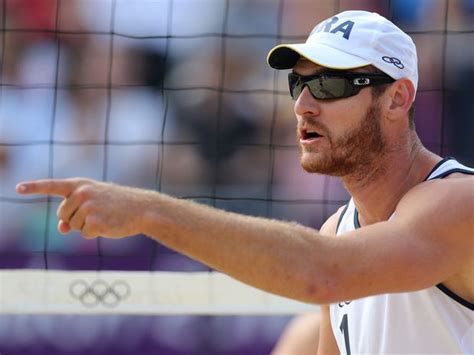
304 66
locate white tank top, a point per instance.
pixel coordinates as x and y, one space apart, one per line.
431 321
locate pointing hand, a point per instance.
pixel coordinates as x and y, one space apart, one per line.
94 208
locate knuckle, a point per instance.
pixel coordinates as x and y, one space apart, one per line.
83 192
78 180
85 182
88 207
92 226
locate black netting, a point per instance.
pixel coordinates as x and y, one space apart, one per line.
176 96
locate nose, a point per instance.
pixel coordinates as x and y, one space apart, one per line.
306 104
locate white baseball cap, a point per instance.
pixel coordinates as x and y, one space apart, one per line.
353 39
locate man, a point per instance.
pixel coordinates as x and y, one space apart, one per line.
398 276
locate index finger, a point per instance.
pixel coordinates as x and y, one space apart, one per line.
55 187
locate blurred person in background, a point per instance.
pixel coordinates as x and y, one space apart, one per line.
458 79
55 88
80 104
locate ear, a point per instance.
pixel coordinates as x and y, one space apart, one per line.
402 95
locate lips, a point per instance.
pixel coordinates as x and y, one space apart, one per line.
309 134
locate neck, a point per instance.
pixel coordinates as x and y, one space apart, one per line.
377 190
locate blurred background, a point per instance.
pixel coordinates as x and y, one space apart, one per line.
175 95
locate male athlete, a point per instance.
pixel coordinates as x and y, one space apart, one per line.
398 277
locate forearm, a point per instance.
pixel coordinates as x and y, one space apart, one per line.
276 256
283 258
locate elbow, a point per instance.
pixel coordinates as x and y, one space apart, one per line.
321 289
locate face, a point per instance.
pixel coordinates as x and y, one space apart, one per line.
338 137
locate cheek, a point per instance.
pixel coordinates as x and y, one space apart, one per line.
338 127
348 117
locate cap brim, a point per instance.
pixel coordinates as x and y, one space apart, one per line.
285 56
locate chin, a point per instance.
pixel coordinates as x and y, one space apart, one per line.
313 162
320 164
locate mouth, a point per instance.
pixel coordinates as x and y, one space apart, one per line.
307 135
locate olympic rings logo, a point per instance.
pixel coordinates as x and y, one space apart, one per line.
395 61
99 292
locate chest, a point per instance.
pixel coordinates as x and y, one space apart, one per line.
425 321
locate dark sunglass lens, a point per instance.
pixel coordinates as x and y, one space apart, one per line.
328 88
295 85
323 86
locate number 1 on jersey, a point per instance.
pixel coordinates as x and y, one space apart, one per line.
344 327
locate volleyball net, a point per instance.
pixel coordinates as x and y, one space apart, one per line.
176 96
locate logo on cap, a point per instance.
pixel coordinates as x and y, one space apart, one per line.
395 61
345 28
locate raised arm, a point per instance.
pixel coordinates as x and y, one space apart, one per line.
429 240
267 254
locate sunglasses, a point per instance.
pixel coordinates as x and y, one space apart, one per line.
329 86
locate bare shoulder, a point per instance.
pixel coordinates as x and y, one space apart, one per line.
456 188
442 204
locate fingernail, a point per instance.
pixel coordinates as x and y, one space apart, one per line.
21 188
